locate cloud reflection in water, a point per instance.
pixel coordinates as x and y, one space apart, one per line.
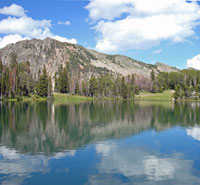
194 132
20 166
136 163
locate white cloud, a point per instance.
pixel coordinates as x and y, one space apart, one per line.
10 39
23 27
142 24
158 51
14 10
26 26
63 39
67 23
108 9
194 132
194 62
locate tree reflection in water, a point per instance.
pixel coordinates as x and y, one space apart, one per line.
124 139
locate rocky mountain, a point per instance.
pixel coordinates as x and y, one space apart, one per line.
165 68
84 62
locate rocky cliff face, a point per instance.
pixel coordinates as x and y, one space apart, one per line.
165 68
52 54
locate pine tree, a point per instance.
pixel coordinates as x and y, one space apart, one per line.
63 79
132 86
154 86
114 90
129 91
101 85
152 76
42 85
93 86
49 87
124 91
56 87
5 85
179 93
77 89
85 88
17 82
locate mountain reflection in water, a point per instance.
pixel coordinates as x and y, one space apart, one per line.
109 142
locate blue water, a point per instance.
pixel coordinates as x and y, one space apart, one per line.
100 143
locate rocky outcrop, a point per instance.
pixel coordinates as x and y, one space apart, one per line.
165 68
52 54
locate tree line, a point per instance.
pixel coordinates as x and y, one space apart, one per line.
16 81
185 83
105 85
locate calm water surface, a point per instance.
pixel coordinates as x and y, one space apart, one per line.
100 143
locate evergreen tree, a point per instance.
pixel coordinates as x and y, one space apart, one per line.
179 93
118 85
17 83
49 87
132 86
152 76
24 82
63 79
124 92
101 85
56 87
114 90
85 88
154 86
93 86
42 85
77 89
5 86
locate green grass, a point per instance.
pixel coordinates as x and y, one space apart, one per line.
57 97
34 97
189 100
70 98
61 98
165 96
31 97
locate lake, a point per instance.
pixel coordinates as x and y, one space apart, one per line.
100 143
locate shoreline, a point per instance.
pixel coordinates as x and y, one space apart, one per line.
59 97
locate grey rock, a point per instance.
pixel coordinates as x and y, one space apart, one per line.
84 62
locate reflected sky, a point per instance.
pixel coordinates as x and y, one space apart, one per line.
194 132
15 167
142 165
100 143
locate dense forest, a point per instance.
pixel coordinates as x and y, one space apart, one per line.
185 83
16 81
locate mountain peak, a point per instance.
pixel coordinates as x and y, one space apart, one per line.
84 62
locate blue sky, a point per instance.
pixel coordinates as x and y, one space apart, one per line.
148 30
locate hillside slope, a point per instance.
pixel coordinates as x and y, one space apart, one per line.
52 54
